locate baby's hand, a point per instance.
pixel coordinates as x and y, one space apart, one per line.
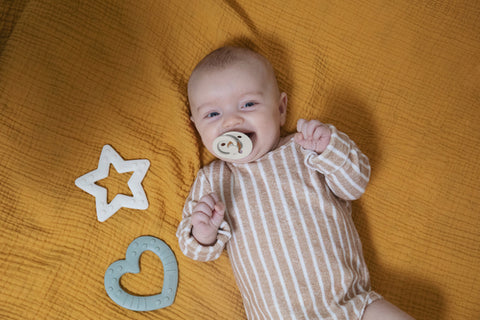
312 135
207 217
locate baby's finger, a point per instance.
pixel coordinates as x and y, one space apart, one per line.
218 214
214 197
220 208
306 131
298 138
319 132
199 218
300 124
311 127
209 199
204 209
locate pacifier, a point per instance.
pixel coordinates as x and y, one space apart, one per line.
232 145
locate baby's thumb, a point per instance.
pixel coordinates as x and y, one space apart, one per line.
298 138
300 124
218 214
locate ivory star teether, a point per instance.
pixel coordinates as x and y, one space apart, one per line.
232 145
131 265
110 156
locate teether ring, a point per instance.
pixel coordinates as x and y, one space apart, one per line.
232 145
131 265
110 156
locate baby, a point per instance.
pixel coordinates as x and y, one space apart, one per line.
280 205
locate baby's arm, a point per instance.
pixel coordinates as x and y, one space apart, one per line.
337 157
203 232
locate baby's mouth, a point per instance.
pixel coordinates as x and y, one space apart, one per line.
251 136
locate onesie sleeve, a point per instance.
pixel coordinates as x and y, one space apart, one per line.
345 167
188 244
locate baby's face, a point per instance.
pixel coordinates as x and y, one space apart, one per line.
242 97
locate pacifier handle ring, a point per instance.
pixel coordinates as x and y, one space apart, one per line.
232 145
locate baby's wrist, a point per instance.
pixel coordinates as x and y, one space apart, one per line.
206 243
204 240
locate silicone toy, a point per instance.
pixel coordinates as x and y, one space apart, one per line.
131 265
232 145
110 156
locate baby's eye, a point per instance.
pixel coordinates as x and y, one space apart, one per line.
249 104
212 114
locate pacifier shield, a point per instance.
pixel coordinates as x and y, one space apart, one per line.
131 265
232 145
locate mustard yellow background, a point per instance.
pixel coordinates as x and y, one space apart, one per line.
402 78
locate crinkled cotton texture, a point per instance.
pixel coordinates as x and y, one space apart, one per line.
401 80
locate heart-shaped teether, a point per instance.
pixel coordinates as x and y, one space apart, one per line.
232 145
131 265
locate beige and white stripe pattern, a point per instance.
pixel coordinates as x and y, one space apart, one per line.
292 243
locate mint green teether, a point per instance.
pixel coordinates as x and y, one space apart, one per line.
131 265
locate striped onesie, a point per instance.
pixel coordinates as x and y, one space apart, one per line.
288 230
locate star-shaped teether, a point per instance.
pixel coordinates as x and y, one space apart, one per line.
131 265
109 156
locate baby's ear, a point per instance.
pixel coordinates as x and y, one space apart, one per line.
282 107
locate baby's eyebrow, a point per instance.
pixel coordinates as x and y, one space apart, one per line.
252 93
206 105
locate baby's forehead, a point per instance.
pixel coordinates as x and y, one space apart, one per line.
254 64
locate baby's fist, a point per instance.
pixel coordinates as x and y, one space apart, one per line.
207 217
312 135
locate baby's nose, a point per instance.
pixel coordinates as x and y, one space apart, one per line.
231 121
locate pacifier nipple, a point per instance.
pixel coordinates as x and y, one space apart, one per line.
232 145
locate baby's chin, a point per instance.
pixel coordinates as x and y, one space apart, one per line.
250 158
